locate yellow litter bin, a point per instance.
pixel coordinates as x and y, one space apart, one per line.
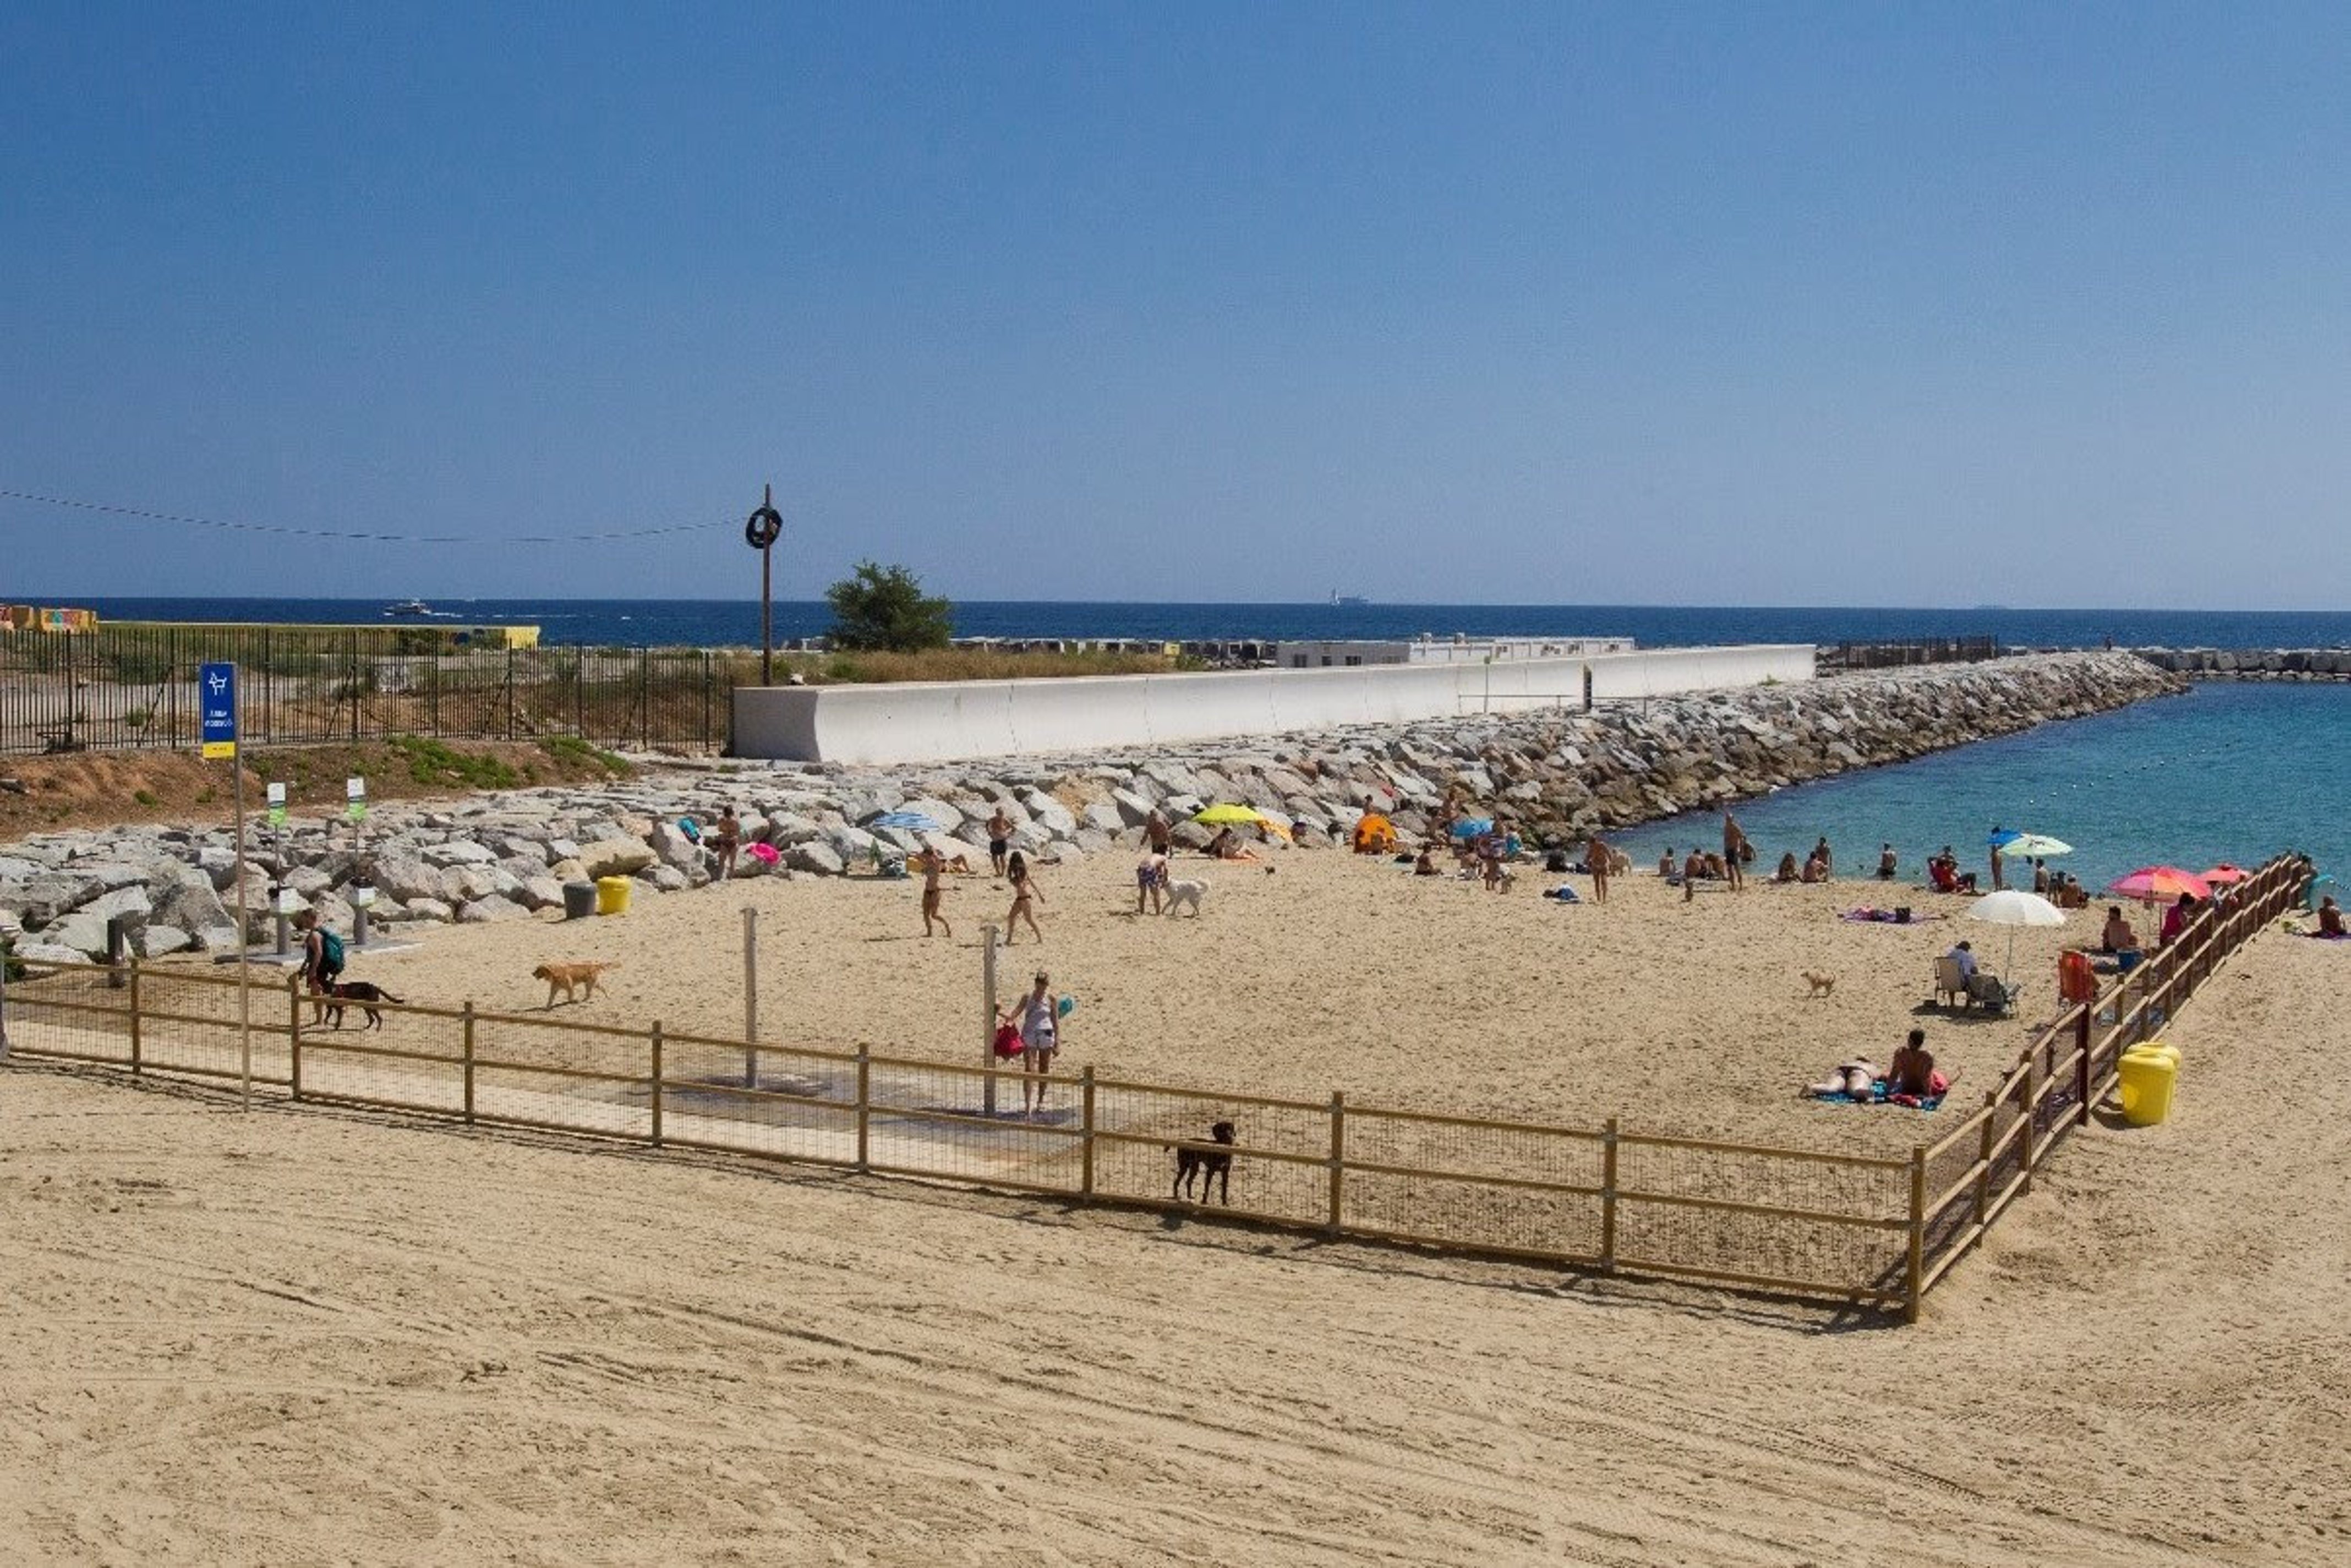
611 895
2150 1072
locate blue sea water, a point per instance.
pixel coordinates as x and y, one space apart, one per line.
2227 772
735 623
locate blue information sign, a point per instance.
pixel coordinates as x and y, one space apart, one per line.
217 699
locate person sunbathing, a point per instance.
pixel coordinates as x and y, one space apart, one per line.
1815 869
2330 917
1857 1078
1425 865
2119 936
1787 872
1226 846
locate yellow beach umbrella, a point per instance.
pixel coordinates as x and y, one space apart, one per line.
1226 814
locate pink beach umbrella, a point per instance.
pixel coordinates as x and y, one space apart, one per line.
2154 882
2227 873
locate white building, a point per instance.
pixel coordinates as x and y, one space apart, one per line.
1425 649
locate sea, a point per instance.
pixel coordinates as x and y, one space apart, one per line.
2227 772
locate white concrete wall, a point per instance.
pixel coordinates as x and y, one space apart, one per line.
931 721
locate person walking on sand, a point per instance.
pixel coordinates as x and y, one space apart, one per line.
1596 861
933 863
999 838
1039 1015
1997 871
1692 869
322 958
1026 895
1734 851
1157 833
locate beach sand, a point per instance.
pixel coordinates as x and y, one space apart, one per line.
299 1334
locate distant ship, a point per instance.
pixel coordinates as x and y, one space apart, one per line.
1339 597
408 607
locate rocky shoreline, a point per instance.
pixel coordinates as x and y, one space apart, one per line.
1555 775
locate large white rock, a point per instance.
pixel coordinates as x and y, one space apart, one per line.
616 857
491 911
457 852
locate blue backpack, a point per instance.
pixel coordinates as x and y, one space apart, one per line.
331 950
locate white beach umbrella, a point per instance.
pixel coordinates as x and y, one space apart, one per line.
2012 908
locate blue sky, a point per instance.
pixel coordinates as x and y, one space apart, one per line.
1675 304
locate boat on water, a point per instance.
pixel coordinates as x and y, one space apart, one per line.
408 607
1339 597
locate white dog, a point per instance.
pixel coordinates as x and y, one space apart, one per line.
1188 892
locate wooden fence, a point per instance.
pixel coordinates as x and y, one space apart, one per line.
1968 1178
1874 1229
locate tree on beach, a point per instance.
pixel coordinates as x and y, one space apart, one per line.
884 608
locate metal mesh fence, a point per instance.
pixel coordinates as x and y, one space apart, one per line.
130 686
1761 1214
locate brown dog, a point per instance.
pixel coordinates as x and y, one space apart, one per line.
361 994
566 978
1822 984
1213 1164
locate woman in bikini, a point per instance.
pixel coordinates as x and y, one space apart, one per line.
1039 1014
1025 893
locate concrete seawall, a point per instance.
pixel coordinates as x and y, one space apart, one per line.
940 721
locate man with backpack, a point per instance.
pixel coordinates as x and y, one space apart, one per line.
322 958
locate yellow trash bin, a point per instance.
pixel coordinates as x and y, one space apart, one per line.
2150 1072
611 895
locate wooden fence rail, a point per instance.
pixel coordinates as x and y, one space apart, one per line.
1874 1229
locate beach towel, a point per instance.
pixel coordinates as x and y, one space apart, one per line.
1565 895
2322 936
1878 1096
1866 915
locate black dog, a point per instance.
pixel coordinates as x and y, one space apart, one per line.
365 993
1212 1164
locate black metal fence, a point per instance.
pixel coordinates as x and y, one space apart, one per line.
128 688
1921 651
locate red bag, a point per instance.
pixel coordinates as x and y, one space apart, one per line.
1008 1040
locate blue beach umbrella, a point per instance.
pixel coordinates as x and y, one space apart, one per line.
910 822
1470 827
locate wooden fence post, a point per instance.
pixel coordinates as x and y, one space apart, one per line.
1086 1131
1914 1272
1983 1156
2083 1076
1608 1196
468 1051
657 1085
864 1103
1338 1159
294 1036
134 1018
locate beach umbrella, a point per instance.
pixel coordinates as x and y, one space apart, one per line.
2013 907
2034 846
1226 814
2153 882
2227 873
1470 827
910 822
2000 836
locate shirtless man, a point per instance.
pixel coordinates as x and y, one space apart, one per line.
1734 851
2330 917
2119 936
1912 1070
1692 869
1595 859
1000 838
1156 833
1885 862
933 863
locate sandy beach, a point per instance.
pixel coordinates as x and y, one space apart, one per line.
301 1334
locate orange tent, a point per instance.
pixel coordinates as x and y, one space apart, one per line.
1374 835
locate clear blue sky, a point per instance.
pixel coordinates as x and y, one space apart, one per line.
1657 304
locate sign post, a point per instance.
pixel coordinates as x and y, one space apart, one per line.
760 531
750 997
988 1017
362 881
216 701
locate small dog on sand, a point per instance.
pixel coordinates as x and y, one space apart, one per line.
566 978
1822 984
1213 1164
361 994
1189 891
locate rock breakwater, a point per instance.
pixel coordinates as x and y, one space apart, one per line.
1555 775
2252 663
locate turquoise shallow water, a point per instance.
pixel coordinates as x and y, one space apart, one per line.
2231 772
